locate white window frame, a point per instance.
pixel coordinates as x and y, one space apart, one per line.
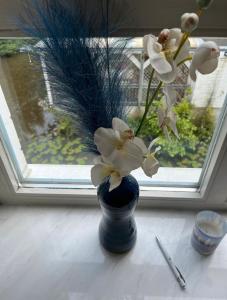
212 192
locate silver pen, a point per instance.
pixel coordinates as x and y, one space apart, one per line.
171 264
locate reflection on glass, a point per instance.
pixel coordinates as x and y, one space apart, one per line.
49 137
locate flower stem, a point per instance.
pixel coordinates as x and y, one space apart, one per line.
149 87
183 40
184 60
148 107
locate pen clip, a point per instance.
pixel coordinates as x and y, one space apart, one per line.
181 276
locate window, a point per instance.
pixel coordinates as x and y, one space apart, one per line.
47 152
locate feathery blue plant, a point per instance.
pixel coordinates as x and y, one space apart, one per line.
84 67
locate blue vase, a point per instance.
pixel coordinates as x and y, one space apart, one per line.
117 229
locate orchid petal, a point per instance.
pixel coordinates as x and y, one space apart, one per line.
128 158
175 33
137 112
119 125
209 66
171 96
105 140
192 72
175 40
184 52
157 58
98 174
189 22
115 181
205 59
152 144
146 38
160 63
170 76
97 160
140 143
172 123
150 166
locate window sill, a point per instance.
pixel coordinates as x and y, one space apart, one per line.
66 240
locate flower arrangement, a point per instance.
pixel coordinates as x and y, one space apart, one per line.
121 149
85 68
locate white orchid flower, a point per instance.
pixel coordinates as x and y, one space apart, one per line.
189 22
104 169
150 165
119 146
166 116
205 59
161 51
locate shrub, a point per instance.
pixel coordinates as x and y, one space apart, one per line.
195 130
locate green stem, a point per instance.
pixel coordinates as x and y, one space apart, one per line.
183 40
148 107
149 87
184 60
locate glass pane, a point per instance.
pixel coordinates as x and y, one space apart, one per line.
49 137
46 135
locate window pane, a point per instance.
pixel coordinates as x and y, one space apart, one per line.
46 135
49 137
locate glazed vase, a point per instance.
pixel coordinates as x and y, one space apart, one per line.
117 228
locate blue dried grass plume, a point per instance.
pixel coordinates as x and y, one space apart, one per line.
85 68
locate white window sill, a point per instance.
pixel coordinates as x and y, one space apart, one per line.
44 248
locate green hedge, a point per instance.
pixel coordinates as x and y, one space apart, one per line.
195 128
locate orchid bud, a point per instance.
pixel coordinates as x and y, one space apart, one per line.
204 4
137 113
164 36
205 59
189 22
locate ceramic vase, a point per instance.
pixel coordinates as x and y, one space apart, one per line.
117 229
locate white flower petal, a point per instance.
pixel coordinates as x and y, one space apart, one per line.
119 125
157 58
105 140
160 63
140 143
98 174
189 22
205 59
209 66
152 144
146 38
136 112
172 123
175 33
171 96
97 160
150 166
170 76
192 72
184 52
128 158
115 181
